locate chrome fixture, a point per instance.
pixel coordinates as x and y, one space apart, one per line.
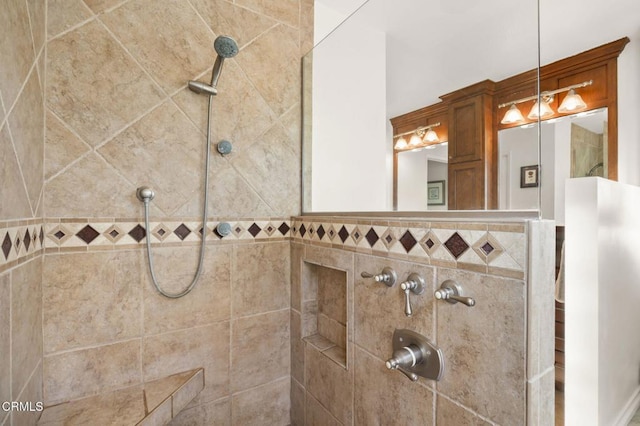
413 356
451 292
414 284
572 102
224 147
423 136
387 277
223 229
226 47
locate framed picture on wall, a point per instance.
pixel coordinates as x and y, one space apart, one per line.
529 176
435 192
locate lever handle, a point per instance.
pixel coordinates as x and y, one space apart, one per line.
415 285
388 276
450 291
403 358
411 376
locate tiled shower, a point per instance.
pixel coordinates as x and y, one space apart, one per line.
94 104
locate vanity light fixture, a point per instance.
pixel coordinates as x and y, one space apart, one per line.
420 137
542 108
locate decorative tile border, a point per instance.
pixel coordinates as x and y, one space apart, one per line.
492 248
78 234
20 241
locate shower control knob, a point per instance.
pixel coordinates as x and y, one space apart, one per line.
224 147
450 291
415 285
387 277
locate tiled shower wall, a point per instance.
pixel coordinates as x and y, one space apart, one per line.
498 354
112 91
22 49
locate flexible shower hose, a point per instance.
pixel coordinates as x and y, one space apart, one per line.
204 223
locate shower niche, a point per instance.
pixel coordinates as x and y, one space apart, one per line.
325 311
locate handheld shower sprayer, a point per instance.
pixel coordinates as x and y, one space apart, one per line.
226 48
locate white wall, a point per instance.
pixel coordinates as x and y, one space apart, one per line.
629 111
517 147
602 344
412 180
350 145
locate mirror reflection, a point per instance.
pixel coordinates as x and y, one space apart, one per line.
405 116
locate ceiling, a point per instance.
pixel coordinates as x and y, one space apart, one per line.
437 46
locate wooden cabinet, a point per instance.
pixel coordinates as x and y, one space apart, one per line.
471 150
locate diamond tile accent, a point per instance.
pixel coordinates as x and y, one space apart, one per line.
343 234
456 245
269 229
27 240
388 239
312 231
138 233
284 228
113 234
182 231
321 232
16 243
59 235
6 246
41 235
332 232
430 243
87 234
302 230
372 237
254 229
487 248
356 235
408 241
238 230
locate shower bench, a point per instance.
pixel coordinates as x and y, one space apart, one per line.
149 404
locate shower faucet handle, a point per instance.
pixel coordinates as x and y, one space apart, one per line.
451 291
387 277
414 284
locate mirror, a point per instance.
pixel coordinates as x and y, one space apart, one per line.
387 60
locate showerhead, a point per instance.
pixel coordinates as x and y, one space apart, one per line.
226 48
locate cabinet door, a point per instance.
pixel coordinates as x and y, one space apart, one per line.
466 130
466 186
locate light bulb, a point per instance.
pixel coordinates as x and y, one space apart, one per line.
430 136
572 102
512 116
540 110
401 143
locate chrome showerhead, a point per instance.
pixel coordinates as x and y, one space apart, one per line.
226 48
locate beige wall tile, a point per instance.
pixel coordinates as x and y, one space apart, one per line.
103 192
484 346
224 17
272 63
260 278
449 413
297 348
273 169
87 67
99 6
166 37
297 404
76 374
31 394
27 129
216 413
387 397
91 298
64 14
201 347
317 415
5 338
260 348
208 302
14 201
330 384
379 309
37 18
332 294
286 11
268 404
297 254
16 49
26 323
61 146
164 151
